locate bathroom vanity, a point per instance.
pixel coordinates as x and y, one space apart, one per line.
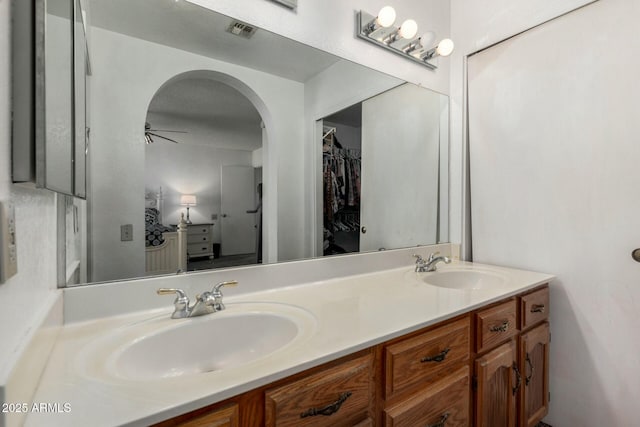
489 366
468 342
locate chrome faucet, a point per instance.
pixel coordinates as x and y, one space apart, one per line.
206 303
429 265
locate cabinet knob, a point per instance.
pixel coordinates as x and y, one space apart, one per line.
636 255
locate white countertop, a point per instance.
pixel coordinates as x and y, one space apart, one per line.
351 313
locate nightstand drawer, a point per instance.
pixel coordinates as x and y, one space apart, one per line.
204 249
426 357
199 229
198 238
496 325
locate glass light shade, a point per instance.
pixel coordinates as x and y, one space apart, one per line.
445 47
386 17
427 39
188 200
409 29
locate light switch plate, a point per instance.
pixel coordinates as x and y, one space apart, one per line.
8 249
126 233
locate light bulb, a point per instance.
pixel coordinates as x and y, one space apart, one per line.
427 39
409 29
445 47
386 17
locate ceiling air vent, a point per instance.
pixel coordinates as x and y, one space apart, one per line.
241 29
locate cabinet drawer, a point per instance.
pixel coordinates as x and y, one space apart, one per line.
196 249
495 325
445 403
199 229
198 238
338 396
426 357
534 307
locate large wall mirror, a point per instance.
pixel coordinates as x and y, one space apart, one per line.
275 151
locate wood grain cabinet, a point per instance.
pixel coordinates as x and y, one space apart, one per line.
338 396
511 370
485 368
498 381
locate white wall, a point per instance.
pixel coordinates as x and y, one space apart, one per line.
190 169
28 296
474 26
330 25
348 136
117 152
554 161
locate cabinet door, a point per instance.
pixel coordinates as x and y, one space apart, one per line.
498 382
534 365
341 396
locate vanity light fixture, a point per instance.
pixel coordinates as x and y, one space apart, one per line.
380 30
188 200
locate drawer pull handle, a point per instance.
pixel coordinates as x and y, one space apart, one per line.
527 379
501 328
437 358
518 378
537 308
329 409
443 419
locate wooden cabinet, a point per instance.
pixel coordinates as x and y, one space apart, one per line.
498 381
486 368
511 379
495 325
227 416
339 396
426 357
534 365
444 403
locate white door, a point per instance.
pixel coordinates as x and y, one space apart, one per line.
399 205
555 154
238 232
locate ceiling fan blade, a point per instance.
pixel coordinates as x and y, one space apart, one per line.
164 130
163 137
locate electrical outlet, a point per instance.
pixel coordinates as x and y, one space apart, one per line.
126 232
8 250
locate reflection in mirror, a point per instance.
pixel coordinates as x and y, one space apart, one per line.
230 128
58 172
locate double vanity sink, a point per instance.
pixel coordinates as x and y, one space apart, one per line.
145 367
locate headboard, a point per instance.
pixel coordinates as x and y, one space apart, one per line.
153 199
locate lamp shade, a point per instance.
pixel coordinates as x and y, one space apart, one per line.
188 200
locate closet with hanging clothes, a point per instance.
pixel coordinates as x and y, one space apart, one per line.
341 165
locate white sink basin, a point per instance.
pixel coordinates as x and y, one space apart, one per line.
465 279
163 348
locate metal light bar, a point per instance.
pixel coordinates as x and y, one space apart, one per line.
387 39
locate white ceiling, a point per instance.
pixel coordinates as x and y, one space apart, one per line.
199 104
185 26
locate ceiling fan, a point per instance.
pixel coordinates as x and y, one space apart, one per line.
149 133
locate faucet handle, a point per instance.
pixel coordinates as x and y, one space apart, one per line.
230 283
433 255
181 295
418 258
